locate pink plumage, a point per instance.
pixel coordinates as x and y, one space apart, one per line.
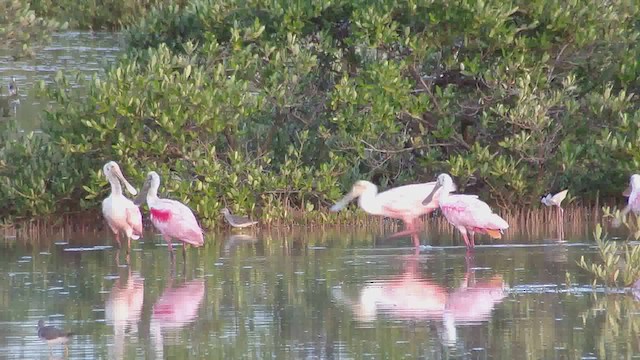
467 213
172 218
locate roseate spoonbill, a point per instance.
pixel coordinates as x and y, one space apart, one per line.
466 212
121 214
172 218
633 193
403 202
236 220
53 335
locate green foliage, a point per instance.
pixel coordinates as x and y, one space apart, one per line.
21 28
96 15
271 105
617 266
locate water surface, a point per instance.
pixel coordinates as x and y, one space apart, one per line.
86 53
339 294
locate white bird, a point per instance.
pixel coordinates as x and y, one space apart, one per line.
403 202
556 200
633 192
121 214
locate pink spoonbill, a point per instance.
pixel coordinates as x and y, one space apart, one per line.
403 202
633 192
121 214
172 218
466 212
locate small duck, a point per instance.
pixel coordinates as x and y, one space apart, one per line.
237 221
53 335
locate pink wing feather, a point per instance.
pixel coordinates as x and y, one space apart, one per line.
177 221
469 211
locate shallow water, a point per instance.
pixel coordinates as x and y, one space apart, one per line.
310 294
83 52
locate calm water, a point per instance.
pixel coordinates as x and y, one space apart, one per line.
84 52
310 294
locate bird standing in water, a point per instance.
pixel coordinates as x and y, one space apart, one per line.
53 335
556 200
403 202
633 204
236 220
121 214
466 212
172 218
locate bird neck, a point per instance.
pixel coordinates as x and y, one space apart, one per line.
116 187
445 191
152 194
367 201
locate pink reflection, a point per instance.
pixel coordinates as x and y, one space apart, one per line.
410 297
123 309
179 305
176 307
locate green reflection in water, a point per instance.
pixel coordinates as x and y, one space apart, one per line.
308 295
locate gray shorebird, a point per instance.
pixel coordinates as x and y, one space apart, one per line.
53 335
236 220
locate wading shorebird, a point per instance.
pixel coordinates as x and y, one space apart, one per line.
121 214
403 202
12 99
556 200
633 204
53 335
172 218
237 221
466 212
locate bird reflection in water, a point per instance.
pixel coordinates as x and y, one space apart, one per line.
176 307
123 309
411 297
236 240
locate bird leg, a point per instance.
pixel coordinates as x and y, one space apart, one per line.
184 252
416 240
118 238
168 240
472 238
129 244
463 231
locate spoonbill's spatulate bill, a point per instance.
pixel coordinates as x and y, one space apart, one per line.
403 202
121 214
633 204
466 212
53 335
236 220
172 218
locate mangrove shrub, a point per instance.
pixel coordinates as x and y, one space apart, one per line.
281 105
